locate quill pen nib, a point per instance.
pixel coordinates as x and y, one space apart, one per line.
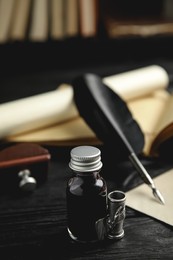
158 195
146 177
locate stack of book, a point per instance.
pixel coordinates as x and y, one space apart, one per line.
40 20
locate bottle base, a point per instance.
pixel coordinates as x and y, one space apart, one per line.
76 239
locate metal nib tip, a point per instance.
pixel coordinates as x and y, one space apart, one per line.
158 196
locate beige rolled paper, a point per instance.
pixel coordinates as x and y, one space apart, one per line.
58 106
37 111
140 82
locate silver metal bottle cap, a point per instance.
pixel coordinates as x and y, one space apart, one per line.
85 159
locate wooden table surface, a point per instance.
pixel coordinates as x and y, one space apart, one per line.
35 225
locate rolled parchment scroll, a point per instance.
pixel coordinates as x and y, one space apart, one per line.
137 83
58 106
37 111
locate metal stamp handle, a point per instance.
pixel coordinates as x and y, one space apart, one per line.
27 183
116 215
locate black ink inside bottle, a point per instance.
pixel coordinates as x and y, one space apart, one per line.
86 199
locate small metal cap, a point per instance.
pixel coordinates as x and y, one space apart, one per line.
85 159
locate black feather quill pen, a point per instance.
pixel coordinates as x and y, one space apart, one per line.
109 117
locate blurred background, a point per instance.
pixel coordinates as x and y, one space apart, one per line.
61 31
46 42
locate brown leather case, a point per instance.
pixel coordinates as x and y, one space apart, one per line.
19 157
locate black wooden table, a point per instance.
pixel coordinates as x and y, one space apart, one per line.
34 225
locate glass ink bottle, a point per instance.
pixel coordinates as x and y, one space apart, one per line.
86 195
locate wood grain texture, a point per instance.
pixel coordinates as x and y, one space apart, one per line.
35 225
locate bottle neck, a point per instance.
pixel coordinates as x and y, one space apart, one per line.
93 174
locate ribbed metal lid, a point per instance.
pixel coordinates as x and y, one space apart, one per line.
85 159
